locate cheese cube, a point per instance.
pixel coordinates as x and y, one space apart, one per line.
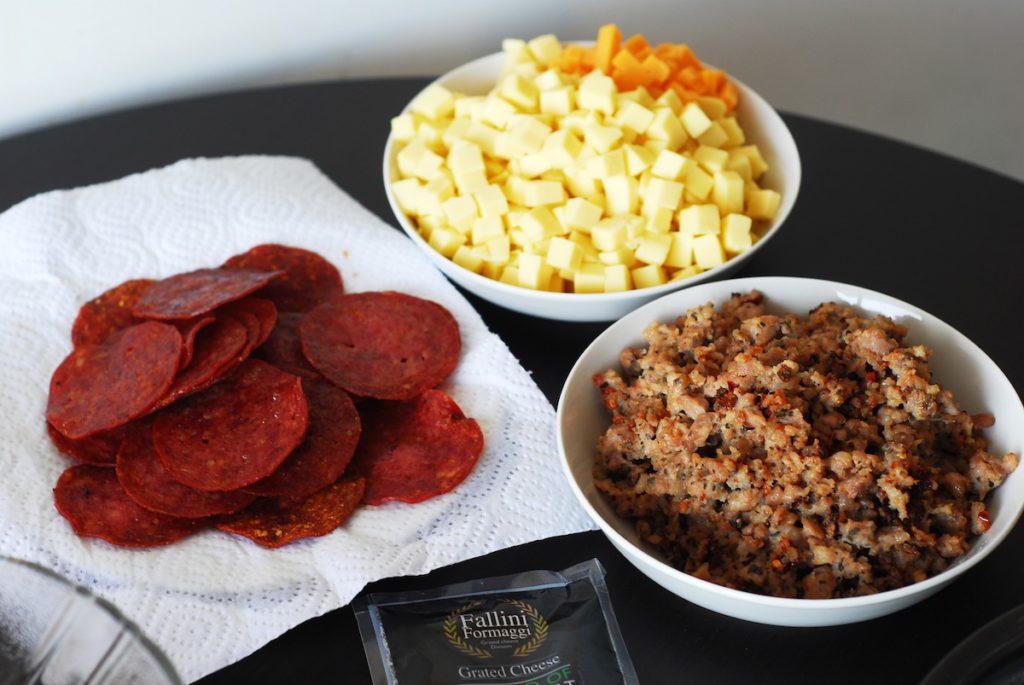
715 136
736 233
537 247
662 193
762 204
656 146
496 111
531 165
757 164
403 127
546 49
728 192
589 278
558 101
695 121
698 184
611 163
564 254
707 251
490 201
470 182
520 91
515 190
654 248
715 108
492 268
556 284
659 220
406 192
485 228
582 214
468 258
590 253
639 95
688 272
468 106
700 220
540 223
460 212
549 80
465 157
526 135
638 159
671 165
734 134
516 52
533 272
609 234
537 193
561 149
446 241
455 132
621 194
740 163
648 276
499 248
633 116
433 194
408 158
432 133
680 253
617 278
581 183
671 100
510 275
711 158
601 138
435 102
597 92
622 255
665 126
483 135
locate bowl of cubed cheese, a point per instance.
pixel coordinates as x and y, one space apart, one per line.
578 181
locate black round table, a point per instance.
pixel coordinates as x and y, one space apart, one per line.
939 233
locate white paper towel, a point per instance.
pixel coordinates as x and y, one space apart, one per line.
214 598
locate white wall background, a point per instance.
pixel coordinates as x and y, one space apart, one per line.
945 74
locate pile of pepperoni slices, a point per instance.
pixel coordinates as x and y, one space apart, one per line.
257 398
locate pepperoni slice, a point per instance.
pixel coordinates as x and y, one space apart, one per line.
414 450
236 432
283 348
146 481
386 345
218 349
273 523
96 506
329 445
262 309
99 449
110 312
188 330
195 293
308 278
100 387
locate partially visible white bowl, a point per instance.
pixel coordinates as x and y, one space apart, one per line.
958 364
761 124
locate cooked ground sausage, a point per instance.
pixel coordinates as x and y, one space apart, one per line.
808 457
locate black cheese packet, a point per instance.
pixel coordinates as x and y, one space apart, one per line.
533 628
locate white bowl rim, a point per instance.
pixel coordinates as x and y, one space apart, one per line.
785 209
764 283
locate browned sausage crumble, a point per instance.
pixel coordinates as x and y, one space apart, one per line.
797 457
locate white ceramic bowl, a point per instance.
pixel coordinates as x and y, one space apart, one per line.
958 364
761 124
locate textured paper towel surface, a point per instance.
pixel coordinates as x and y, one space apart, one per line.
214 598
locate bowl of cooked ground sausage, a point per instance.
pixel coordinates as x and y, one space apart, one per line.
793 451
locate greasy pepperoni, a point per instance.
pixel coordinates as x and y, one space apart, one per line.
274 522
147 482
110 312
96 506
234 433
414 450
99 449
192 294
385 345
308 278
283 348
100 387
329 445
188 330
